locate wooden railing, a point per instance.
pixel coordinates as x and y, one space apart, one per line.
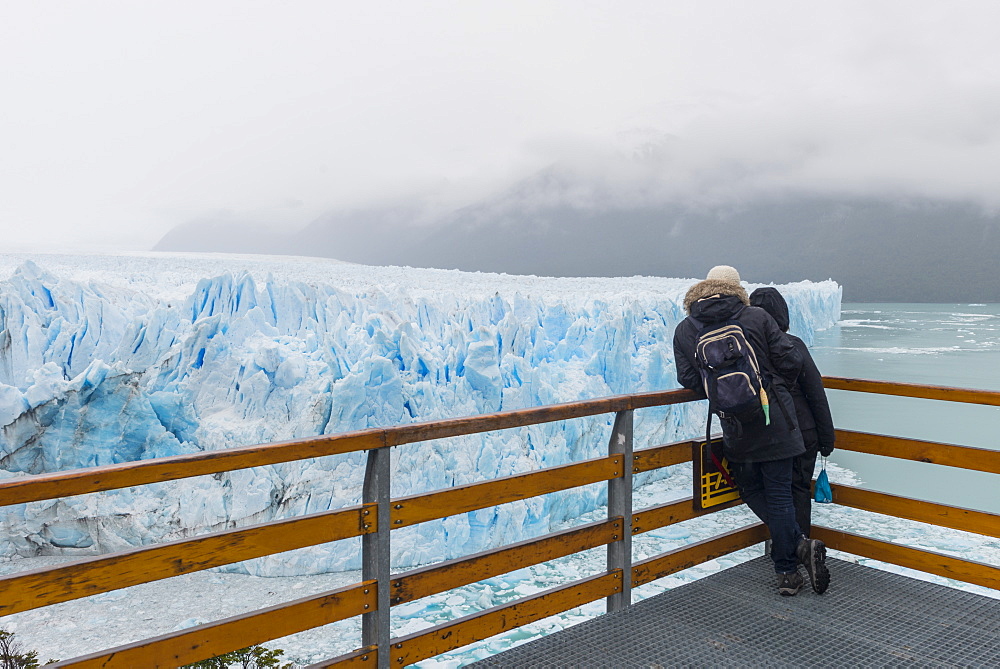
963 457
378 514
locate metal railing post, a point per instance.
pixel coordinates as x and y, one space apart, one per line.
375 554
620 505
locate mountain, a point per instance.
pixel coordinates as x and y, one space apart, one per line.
880 249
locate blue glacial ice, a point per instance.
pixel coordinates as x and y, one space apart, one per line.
112 359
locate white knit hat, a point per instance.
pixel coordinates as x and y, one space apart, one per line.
724 273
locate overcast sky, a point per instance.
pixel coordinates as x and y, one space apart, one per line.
120 120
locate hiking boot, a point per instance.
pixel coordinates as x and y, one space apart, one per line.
789 584
812 555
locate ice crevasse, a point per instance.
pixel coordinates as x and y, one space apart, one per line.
108 359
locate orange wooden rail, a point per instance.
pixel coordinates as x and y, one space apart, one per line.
915 558
90 576
19 592
111 477
461 499
964 457
989 397
463 631
204 641
957 518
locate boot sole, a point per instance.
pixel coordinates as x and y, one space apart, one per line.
819 575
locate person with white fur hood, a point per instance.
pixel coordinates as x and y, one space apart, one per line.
760 453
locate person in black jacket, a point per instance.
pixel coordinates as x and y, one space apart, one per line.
761 455
811 408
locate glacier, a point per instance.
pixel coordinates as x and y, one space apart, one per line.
108 359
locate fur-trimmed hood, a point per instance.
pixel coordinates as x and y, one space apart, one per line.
710 287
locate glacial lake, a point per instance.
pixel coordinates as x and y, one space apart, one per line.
941 344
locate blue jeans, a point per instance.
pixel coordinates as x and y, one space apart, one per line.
766 487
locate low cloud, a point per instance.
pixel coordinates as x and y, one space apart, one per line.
122 120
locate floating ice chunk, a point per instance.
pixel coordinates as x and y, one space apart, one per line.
412 625
948 543
410 609
485 600
113 596
528 589
676 532
67 535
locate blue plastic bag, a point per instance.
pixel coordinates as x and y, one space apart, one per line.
823 493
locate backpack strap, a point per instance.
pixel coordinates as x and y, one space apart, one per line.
711 453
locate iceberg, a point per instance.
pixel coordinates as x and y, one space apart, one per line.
108 359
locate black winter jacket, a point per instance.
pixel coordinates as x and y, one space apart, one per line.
811 404
712 302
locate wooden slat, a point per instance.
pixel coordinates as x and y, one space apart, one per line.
682 558
461 499
928 392
655 517
123 475
968 520
966 457
476 627
248 629
456 573
968 571
662 456
455 427
363 657
62 583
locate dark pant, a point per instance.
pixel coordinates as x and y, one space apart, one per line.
766 487
802 473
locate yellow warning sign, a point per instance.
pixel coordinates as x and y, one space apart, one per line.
711 487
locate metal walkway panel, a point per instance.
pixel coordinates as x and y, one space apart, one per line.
868 617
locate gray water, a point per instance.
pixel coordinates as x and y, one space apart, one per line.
941 344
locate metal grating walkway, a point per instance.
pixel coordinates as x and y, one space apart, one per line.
736 618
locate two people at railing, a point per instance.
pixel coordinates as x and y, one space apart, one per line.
812 409
764 444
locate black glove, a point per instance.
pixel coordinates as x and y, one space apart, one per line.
825 450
